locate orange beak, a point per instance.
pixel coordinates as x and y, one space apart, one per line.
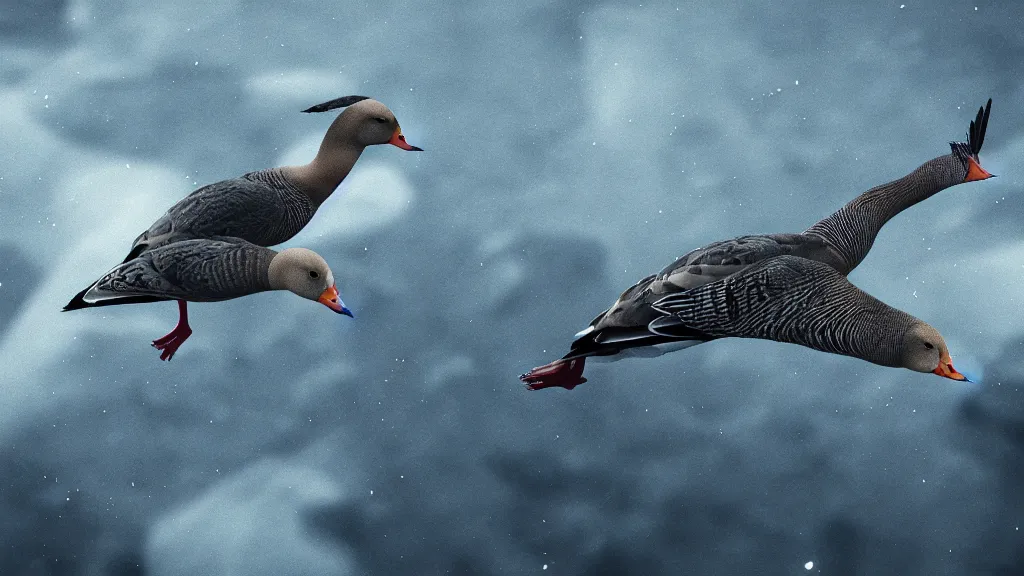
946 370
332 300
397 139
975 171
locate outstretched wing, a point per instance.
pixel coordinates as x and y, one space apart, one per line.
197 270
794 300
260 207
627 323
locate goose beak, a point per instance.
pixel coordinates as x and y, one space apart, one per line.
332 300
975 171
946 370
397 139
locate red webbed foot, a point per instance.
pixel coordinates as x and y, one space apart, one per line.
566 374
169 344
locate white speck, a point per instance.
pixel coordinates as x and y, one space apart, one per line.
902 6
778 89
796 82
371 492
594 144
127 166
545 567
133 484
809 566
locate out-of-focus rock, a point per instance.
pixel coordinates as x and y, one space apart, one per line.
250 523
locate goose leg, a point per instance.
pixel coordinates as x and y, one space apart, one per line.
562 373
170 343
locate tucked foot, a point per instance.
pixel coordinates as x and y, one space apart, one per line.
566 374
170 343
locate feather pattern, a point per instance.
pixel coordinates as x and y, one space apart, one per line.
632 312
196 270
794 300
851 231
261 207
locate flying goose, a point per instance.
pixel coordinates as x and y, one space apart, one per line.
783 287
210 270
268 207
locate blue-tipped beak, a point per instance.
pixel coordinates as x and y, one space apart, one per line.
332 300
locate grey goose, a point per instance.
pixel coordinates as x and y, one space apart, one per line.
268 207
210 270
783 287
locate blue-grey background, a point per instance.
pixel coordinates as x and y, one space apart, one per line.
571 148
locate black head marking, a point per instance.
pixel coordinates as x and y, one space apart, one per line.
336 103
975 136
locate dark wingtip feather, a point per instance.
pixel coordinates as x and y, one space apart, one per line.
336 103
77 303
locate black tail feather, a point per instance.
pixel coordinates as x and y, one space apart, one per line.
78 302
976 134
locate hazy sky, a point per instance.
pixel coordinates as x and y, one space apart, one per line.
571 149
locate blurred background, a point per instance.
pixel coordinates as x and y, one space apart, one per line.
571 149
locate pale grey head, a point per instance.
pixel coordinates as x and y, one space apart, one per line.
924 350
365 122
304 273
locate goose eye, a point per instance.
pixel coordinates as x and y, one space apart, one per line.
381 120
928 345
314 274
